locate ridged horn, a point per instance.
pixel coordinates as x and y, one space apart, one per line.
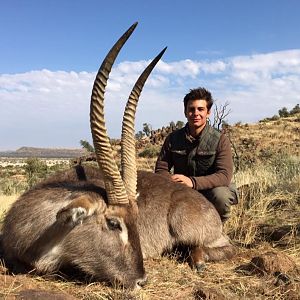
128 152
115 189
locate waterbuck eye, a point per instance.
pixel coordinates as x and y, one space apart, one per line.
114 224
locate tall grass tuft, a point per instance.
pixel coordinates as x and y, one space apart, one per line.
269 192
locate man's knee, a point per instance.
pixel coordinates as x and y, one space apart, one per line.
222 198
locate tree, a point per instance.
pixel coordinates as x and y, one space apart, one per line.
139 135
172 124
220 113
179 124
87 146
295 110
147 128
283 112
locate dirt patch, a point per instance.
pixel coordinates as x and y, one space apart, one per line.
270 263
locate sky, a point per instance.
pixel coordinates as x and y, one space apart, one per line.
246 53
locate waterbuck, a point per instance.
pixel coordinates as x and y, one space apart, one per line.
104 222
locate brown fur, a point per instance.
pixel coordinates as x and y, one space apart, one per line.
42 230
171 214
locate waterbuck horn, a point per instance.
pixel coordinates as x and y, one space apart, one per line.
115 189
128 152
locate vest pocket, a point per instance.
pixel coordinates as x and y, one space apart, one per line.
180 163
203 163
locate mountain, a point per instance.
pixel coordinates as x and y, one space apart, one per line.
44 152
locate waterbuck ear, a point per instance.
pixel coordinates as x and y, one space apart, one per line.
80 208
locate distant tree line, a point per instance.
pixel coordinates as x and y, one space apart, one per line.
148 131
283 113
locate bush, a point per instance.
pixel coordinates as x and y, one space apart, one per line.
35 170
10 187
150 151
283 112
295 110
274 118
58 167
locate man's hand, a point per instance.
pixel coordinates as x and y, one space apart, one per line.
182 179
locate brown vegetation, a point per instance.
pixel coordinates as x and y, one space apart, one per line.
264 225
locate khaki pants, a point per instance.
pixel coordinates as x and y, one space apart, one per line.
222 198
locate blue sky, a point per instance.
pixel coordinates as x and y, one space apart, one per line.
244 52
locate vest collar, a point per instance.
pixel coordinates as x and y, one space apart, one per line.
192 139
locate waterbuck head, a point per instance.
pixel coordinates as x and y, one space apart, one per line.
121 211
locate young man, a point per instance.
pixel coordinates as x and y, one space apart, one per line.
200 155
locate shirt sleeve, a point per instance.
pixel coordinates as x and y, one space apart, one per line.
164 161
223 168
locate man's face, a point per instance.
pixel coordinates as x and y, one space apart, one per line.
196 113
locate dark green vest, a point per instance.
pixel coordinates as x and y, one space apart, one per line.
194 157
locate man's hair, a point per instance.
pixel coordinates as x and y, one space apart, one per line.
199 94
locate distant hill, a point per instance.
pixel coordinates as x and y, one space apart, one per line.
44 152
266 139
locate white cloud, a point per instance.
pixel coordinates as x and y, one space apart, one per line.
46 108
265 66
182 68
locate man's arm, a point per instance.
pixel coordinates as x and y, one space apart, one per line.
223 168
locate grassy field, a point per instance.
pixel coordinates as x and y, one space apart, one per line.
264 227
5 203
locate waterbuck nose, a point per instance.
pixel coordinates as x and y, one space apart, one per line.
141 282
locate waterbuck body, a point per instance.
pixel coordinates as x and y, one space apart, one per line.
171 214
65 221
104 222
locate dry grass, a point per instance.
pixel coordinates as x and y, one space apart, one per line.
256 142
269 201
146 164
5 203
167 279
170 279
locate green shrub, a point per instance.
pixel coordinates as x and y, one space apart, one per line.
58 167
295 110
10 187
274 118
35 170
